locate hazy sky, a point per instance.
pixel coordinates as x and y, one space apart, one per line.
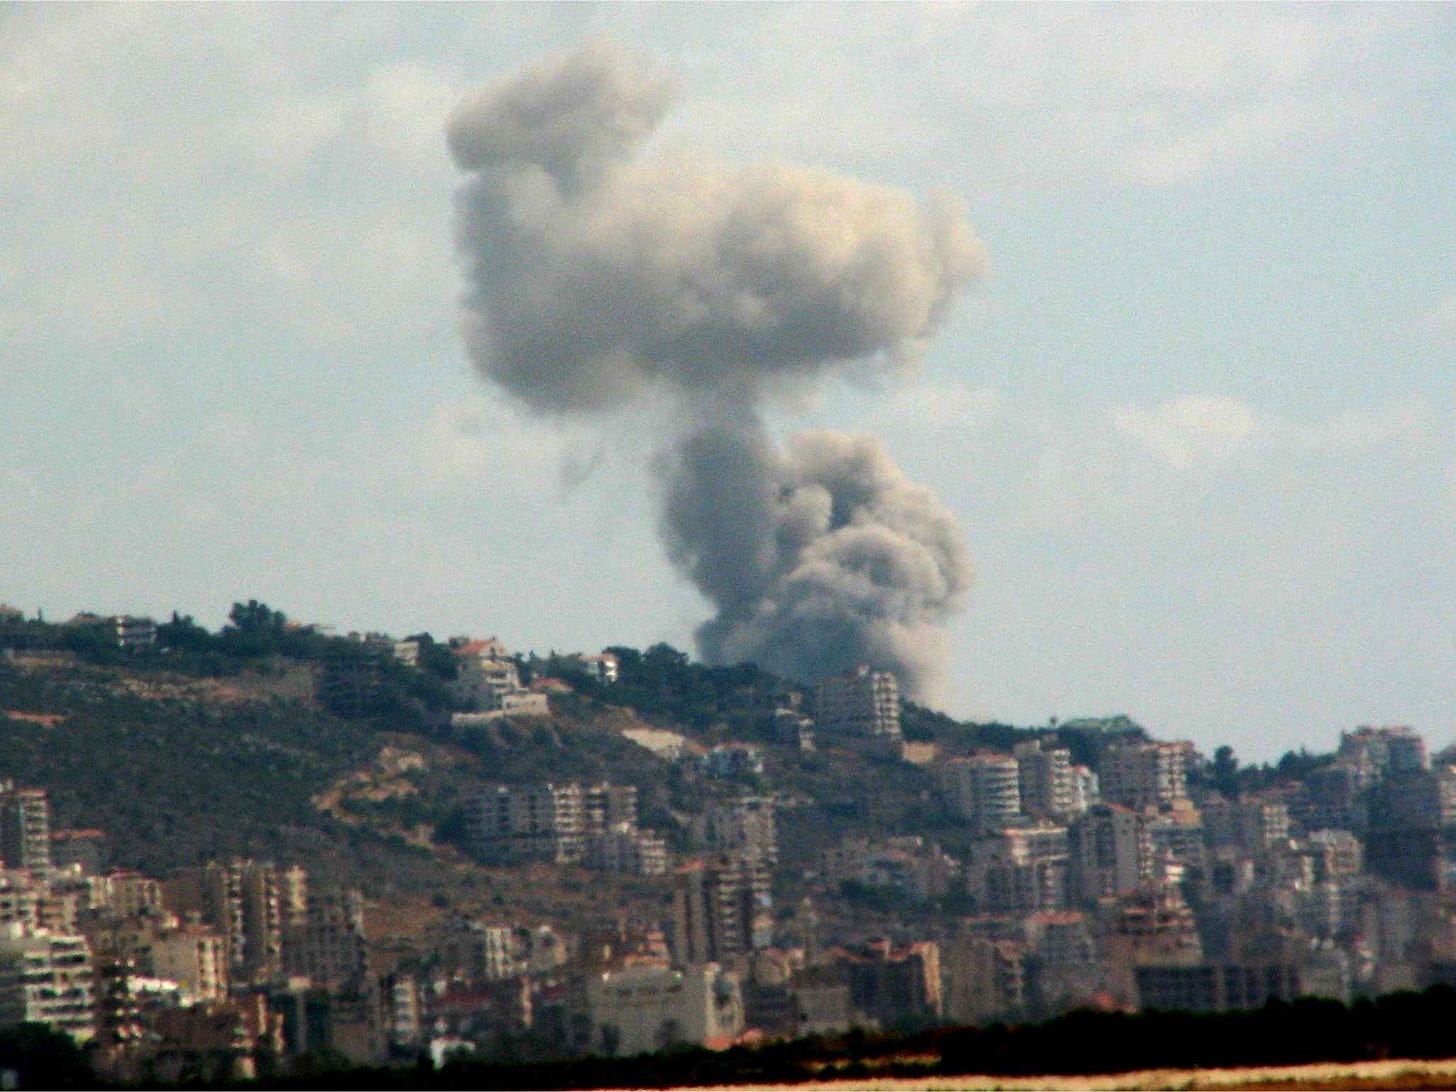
1196 420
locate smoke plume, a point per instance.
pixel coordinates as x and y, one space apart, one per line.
598 273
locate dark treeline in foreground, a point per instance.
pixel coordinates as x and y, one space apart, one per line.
1397 1026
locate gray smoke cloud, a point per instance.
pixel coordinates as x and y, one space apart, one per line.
817 558
598 273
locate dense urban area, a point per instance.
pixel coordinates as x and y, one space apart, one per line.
251 852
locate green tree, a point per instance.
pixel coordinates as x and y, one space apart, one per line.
436 659
1224 773
182 634
254 630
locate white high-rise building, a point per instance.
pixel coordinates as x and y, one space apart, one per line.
983 789
1145 773
47 978
1047 780
861 703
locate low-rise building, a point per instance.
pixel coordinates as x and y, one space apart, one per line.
1208 987
642 1009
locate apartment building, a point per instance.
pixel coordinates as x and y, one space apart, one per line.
525 823
1047 780
1109 852
249 902
328 946
983 789
47 978
1145 773
1019 871
722 910
640 1009
745 827
25 829
860 704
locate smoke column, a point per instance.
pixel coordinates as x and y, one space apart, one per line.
598 274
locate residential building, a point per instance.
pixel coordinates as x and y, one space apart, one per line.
1063 965
1151 925
86 848
860 704
982 789
1337 854
722 910
1259 825
475 951
47 978
984 980
1207 987
604 669
1047 780
894 985
20 898
909 865
792 727
131 894
745 827
1177 836
1375 753
193 956
488 684
1109 852
523 823
248 902
25 829
1141 774
641 1009
594 825
485 674
605 805
1087 789
1019 870
625 849
133 633
328 946
730 760
1446 793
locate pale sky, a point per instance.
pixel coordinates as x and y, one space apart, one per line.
1196 421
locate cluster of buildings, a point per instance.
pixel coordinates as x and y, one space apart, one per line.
487 684
565 824
126 632
1130 885
199 974
1064 870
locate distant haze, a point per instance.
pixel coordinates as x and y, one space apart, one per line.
599 276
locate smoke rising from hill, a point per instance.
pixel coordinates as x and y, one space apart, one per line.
597 274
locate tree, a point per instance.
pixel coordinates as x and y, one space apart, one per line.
253 630
1224 774
256 617
182 634
436 659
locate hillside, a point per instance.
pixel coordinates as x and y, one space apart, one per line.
278 742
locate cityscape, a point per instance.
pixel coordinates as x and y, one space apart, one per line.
820 543
1036 871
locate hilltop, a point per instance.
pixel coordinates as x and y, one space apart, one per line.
276 740
241 743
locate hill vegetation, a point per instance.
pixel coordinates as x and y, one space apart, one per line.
279 741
